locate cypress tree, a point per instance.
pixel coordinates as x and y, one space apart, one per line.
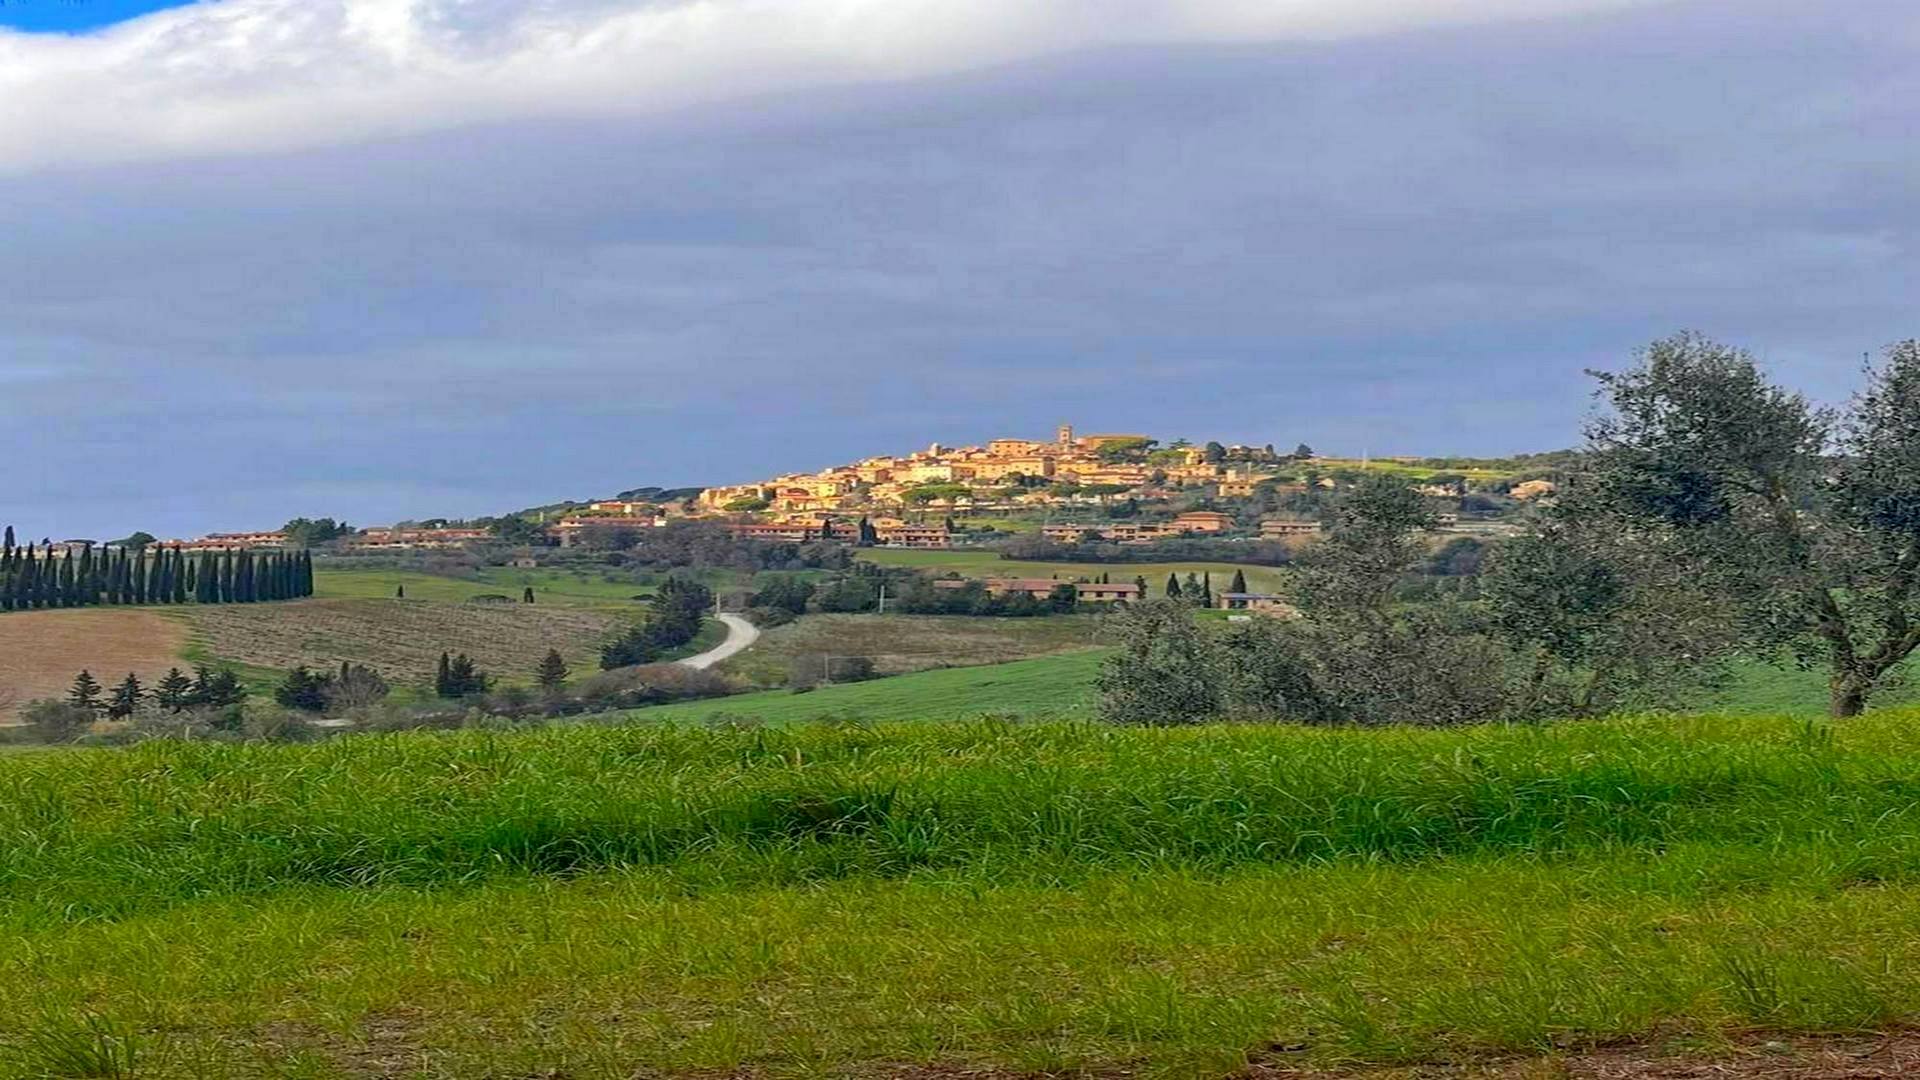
1206 590
85 693
64 591
552 672
1173 586
139 575
30 584
126 697
83 577
1239 582
443 679
174 692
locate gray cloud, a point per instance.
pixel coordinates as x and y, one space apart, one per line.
1402 243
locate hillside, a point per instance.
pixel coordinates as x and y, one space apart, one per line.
988 564
980 899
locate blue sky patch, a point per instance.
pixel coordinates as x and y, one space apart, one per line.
76 16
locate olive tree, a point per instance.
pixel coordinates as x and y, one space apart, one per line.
1805 521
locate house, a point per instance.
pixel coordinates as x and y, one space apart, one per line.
1236 489
1290 529
570 530
914 536
1203 521
1528 490
1255 604
218 541
1129 532
1038 588
786 532
377 540
1108 592
1068 534
620 506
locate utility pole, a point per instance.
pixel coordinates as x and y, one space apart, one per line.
883 598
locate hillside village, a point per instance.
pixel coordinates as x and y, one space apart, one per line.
1124 489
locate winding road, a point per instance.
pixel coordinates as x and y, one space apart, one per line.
741 635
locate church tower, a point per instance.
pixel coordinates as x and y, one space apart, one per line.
1065 435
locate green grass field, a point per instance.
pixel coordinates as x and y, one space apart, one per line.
959 898
897 644
1059 686
573 588
987 564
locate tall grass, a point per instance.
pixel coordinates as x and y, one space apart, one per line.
109 833
1057 898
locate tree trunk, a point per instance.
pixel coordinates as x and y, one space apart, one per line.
1848 697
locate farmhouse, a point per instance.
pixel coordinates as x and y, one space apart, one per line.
1108 592
1255 603
1043 588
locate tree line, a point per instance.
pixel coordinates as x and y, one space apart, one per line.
38 577
1714 515
673 620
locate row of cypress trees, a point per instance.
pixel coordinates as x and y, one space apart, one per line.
33 578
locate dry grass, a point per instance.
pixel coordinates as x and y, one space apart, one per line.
402 639
898 644
41 651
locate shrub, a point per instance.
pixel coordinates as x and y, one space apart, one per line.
56 721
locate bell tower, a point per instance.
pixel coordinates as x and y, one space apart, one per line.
1065 434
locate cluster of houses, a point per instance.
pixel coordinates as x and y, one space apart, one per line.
1117 592
993 475
1192 523
364 542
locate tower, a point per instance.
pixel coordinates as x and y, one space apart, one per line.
1066 434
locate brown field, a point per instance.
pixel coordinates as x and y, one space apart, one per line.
402 639
41 651
898 644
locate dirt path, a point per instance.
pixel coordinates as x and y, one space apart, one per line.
741 635
41 651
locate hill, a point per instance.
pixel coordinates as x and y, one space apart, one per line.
962 899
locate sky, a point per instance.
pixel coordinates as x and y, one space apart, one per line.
386 259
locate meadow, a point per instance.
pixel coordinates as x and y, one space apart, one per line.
570 588
939 899
897 644
1047 687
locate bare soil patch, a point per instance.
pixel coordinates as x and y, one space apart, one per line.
41 651
403 639
1803 1058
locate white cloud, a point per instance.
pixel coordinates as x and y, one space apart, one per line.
249 75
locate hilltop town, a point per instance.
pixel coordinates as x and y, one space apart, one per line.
1125 489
